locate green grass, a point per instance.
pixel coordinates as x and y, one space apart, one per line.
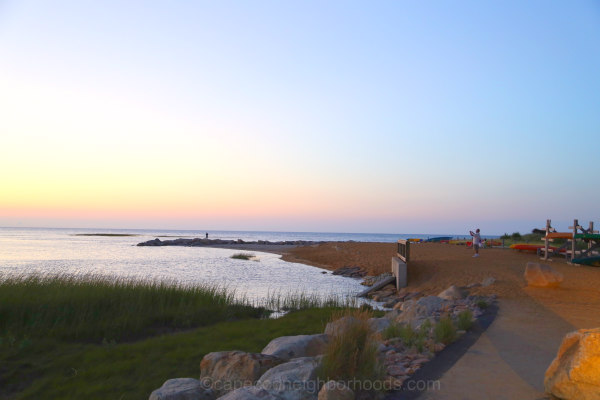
351 355
243 256
464 320
93 308
43 368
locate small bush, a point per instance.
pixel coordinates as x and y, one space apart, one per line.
445 331
482 304
242 256
351 355
516 236
410 337
464 320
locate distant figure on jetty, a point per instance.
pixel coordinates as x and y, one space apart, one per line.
476 242
207 235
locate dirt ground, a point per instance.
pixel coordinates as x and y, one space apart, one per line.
434 267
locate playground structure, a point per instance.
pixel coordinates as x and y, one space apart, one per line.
587 256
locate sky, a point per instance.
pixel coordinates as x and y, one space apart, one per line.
323 116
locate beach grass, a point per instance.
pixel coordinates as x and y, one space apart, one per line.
243 256
92 308
351 354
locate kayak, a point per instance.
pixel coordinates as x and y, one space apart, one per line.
439 239
560 235
593 261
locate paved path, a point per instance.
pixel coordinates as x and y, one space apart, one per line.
509 359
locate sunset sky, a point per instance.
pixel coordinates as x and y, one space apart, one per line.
336 116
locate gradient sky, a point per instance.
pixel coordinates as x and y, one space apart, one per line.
387 116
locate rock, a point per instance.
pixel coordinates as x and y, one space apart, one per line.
379 324
396 370
355 272
250 393
452 293
183 389
575 372
229 370
398 305
391 302
542 275
333 390
488 281
293 380
333 328
288 347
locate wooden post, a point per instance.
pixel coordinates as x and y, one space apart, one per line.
573 240
546 241
591 231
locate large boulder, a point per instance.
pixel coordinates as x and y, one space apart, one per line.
183 389
334 390
226 371
251 393
542 275
293 380
288 347
575 372
452 293
378 325
414 313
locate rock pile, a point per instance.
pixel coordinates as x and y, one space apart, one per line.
350 272
212 242
287 367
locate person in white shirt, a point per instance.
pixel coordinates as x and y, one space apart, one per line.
476 241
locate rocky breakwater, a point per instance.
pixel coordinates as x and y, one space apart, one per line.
220 242
288 367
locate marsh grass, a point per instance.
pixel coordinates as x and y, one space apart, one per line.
46 368
243 256
303 301
94 308
351 354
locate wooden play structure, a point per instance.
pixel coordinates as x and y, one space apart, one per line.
586 256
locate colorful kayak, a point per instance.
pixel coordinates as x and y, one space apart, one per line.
415 240
593 261
560 235
529 247
593 236
439 239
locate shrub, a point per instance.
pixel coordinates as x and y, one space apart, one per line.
482 304
351 355
242 256
410 337
464 320
516 236
445 331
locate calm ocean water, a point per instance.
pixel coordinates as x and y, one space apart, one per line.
57 251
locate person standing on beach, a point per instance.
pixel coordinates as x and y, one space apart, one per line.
476 241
